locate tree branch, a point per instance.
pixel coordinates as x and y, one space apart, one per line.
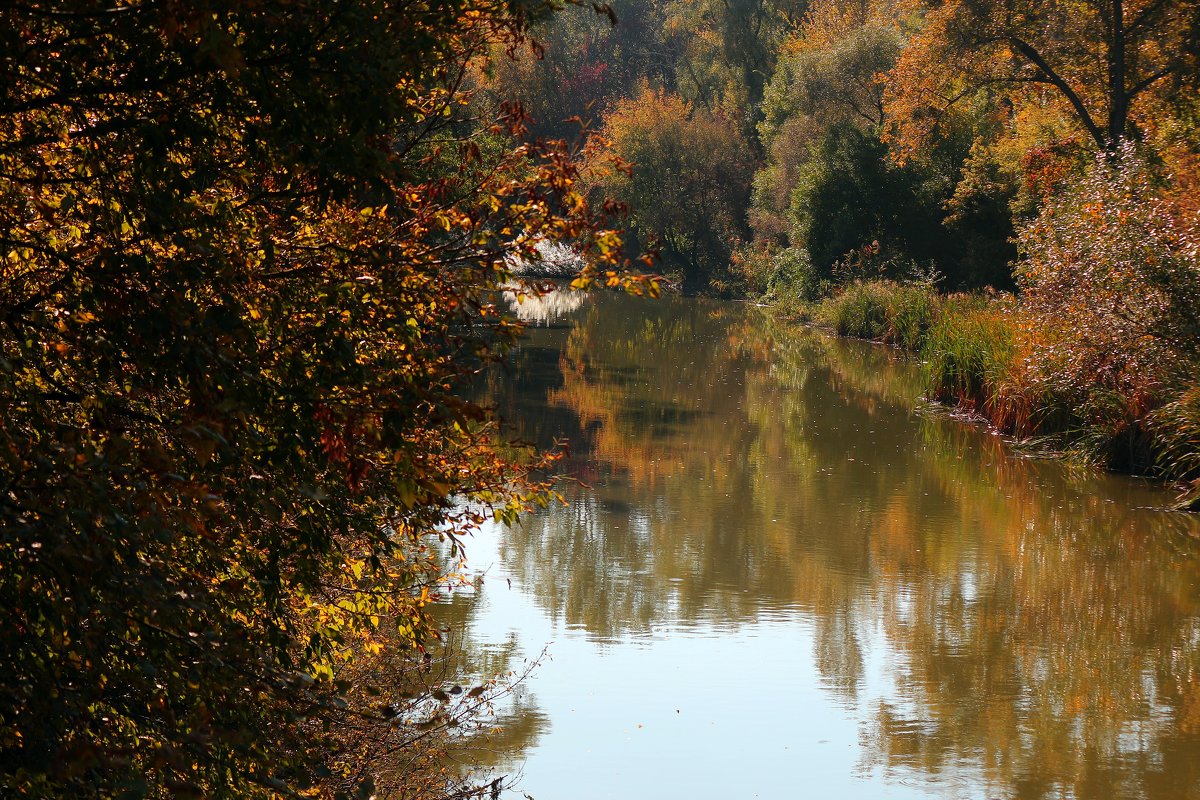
1031 53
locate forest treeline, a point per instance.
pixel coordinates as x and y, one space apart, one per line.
864 160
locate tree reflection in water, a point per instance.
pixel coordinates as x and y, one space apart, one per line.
1041 624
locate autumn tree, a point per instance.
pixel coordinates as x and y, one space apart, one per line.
575 65
1100 59
717 54
684 174
727 48
829 74
831 191
247 249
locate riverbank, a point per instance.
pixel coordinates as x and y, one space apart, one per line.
1125 403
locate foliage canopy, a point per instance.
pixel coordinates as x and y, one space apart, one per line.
684 173
247 249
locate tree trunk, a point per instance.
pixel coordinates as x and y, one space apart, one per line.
1118 90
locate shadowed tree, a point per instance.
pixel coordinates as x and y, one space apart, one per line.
246 255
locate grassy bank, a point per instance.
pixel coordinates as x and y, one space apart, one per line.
994 357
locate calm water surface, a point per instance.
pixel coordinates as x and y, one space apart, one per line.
780 577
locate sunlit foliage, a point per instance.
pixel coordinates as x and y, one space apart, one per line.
247 249
1099 59
684 173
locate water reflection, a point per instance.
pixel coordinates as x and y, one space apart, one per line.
514 723
541 306
994 626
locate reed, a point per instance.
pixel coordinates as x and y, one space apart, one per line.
968 351
895 313
1175 429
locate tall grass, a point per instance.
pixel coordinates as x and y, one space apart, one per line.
899 314
968 351
1175 428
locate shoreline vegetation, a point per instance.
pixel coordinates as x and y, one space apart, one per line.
1095 357
973 350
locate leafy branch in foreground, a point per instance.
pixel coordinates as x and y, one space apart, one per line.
246 254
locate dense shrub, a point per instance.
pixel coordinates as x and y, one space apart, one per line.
1111 303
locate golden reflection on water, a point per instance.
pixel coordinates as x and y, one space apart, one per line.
1042 624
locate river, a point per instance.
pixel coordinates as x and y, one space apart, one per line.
782 575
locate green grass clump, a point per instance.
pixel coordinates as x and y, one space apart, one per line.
896 313
911 315
860 310
968 352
